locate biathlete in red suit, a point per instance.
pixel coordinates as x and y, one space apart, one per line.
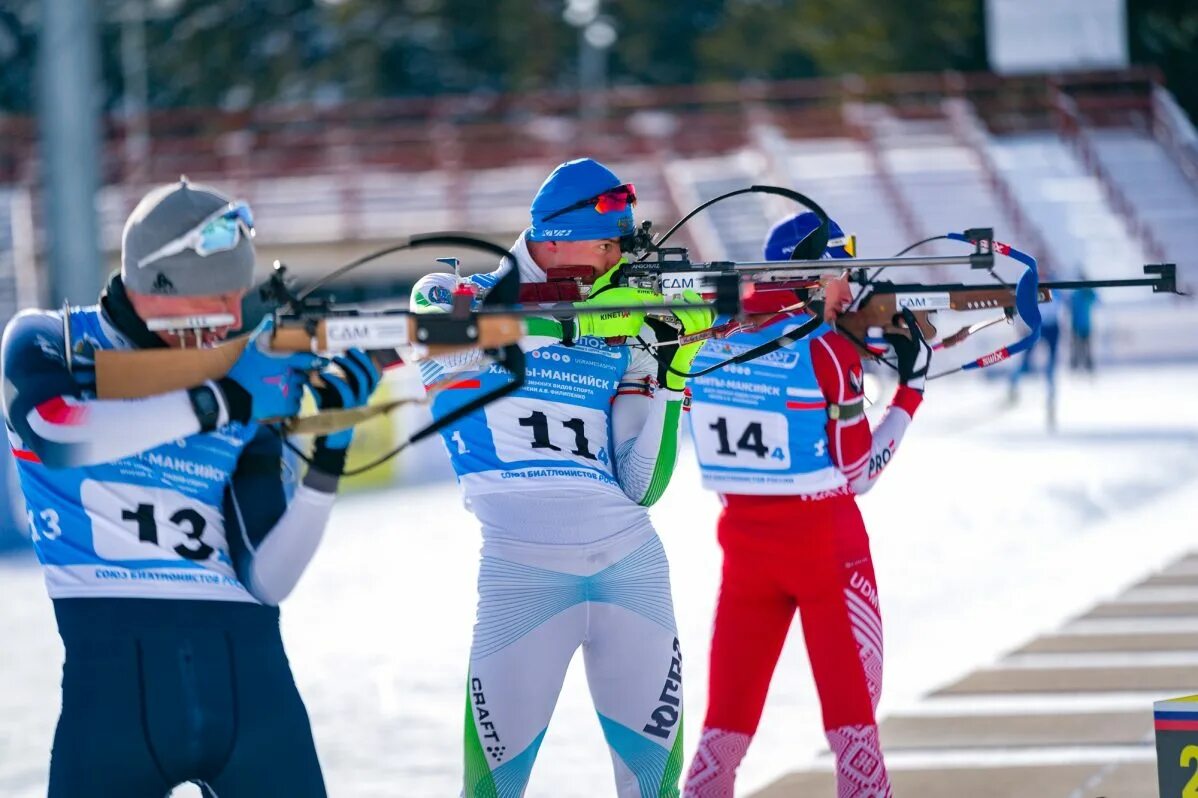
785 441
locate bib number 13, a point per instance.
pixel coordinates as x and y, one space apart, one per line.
188 521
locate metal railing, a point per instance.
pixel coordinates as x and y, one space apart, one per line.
1073 125
968 129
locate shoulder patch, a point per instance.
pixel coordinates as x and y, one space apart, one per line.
856 379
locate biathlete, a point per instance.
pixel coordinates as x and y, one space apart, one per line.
169 527
560 476
786 443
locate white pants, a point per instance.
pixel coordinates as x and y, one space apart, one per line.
537 604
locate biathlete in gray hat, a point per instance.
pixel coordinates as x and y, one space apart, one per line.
168 527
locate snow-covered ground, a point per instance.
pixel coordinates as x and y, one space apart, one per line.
986 531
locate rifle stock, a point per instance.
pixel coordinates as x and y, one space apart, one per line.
136 374
883 309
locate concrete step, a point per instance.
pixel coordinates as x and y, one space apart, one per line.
1132 780
982 731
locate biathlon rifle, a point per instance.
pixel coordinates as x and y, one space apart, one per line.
307 322
874 307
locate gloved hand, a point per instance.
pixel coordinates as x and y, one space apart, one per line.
617 324
604 294
692 320
264 384
351 386
913 355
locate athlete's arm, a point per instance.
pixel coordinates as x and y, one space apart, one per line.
46 407
433 293
541 333
272 537
645 425
860 454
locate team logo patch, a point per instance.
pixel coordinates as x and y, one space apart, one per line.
856 379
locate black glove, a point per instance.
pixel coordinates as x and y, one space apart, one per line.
913 355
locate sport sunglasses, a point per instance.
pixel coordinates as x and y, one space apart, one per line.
220 232
612 200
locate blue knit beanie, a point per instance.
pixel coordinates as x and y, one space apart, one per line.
573 182
786 235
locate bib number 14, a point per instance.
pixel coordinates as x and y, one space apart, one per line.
750 440
736 438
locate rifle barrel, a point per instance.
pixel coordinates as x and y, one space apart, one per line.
1066 285
645 268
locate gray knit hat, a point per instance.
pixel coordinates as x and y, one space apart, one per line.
164 215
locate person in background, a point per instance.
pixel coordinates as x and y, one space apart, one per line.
1050 338
1081 327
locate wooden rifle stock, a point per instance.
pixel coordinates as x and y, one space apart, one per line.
135 374
884 310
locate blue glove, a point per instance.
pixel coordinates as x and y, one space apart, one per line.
264 384
351 386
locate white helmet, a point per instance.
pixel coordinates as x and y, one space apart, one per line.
433 293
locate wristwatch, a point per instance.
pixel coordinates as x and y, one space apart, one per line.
206 406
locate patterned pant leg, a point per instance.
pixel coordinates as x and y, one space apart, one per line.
530 622
753 615
843 629
634 670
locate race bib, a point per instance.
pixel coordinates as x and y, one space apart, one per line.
736 437
143 523
536 430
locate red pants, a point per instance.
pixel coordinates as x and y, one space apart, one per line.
783 553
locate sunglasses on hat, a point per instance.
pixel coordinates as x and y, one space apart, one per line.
610 201
849 243
220 232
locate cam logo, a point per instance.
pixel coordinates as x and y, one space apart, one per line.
663 719
677 283
486 727
348 332
923 301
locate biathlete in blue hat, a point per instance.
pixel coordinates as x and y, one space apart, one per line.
560 476
787 445
169 527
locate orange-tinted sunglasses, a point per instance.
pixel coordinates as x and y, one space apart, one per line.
612 200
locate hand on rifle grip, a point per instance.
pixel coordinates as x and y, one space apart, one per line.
264 384
912 352
351 386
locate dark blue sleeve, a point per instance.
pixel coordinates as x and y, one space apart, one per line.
255 499
34 368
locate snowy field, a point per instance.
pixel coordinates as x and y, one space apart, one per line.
986 530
